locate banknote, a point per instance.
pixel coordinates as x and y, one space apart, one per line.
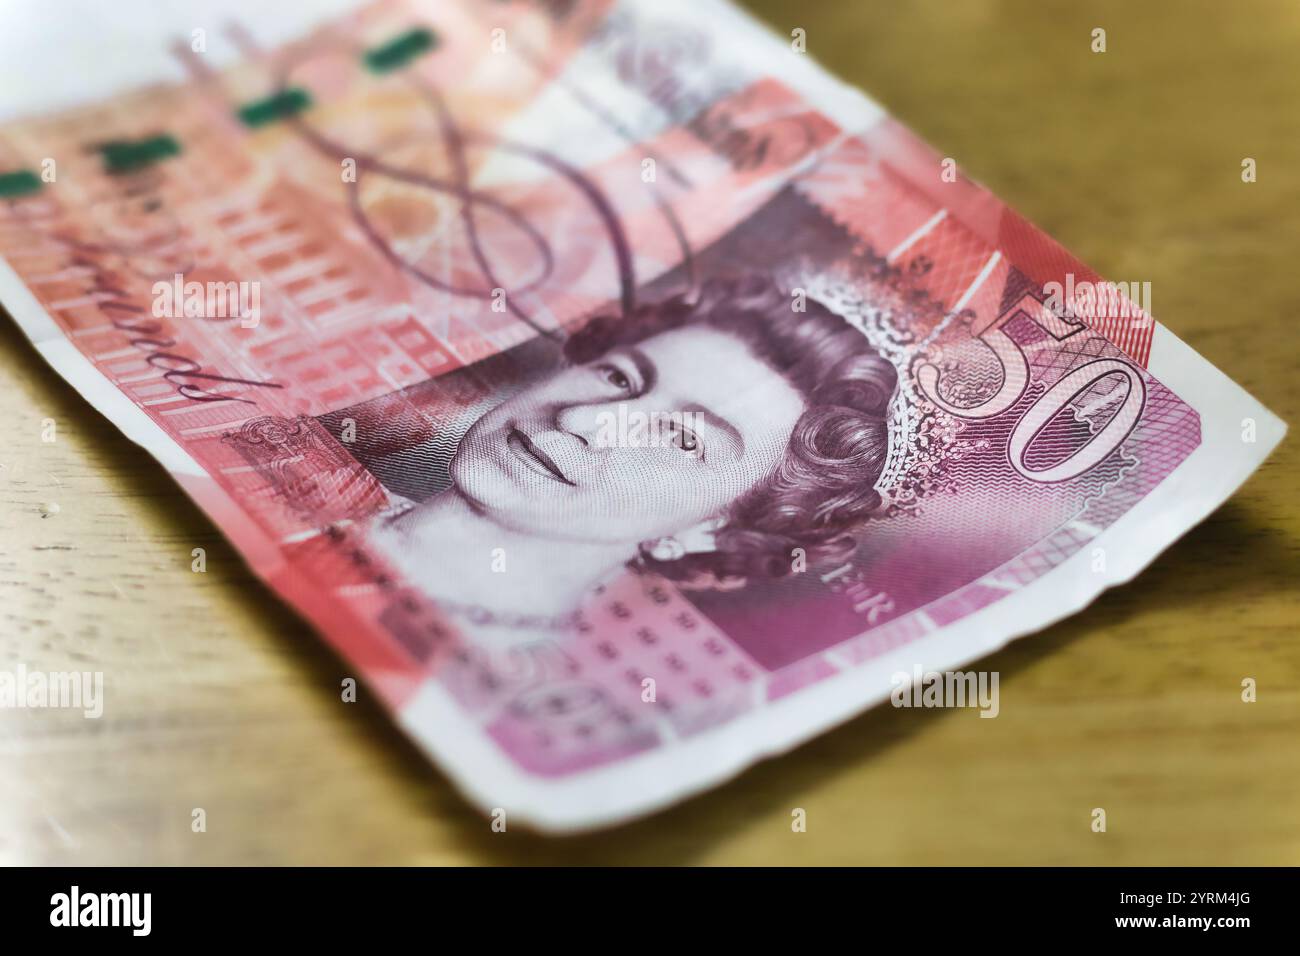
623 396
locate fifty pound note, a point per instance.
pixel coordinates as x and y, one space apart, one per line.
626 398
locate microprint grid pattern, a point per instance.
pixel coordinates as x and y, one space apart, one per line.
597 708
853 189
946 261
1049 553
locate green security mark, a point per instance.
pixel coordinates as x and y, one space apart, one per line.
23 182
126 156
401 50
280 106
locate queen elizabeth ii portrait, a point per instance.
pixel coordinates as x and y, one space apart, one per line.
774 434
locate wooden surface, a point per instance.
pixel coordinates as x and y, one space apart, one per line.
222 699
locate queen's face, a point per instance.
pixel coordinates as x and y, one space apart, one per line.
645 441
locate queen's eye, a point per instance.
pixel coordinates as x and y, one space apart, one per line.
687 440
616 378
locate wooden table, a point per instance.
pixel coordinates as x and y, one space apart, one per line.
224 700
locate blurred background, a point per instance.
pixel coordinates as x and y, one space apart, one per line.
1131 159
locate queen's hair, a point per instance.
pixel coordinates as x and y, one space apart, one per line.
823 487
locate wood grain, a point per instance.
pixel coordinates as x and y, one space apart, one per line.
222 699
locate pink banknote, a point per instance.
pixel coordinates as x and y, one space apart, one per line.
626 398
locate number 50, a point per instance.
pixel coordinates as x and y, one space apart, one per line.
1015 378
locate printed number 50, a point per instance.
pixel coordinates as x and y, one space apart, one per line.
1015 378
